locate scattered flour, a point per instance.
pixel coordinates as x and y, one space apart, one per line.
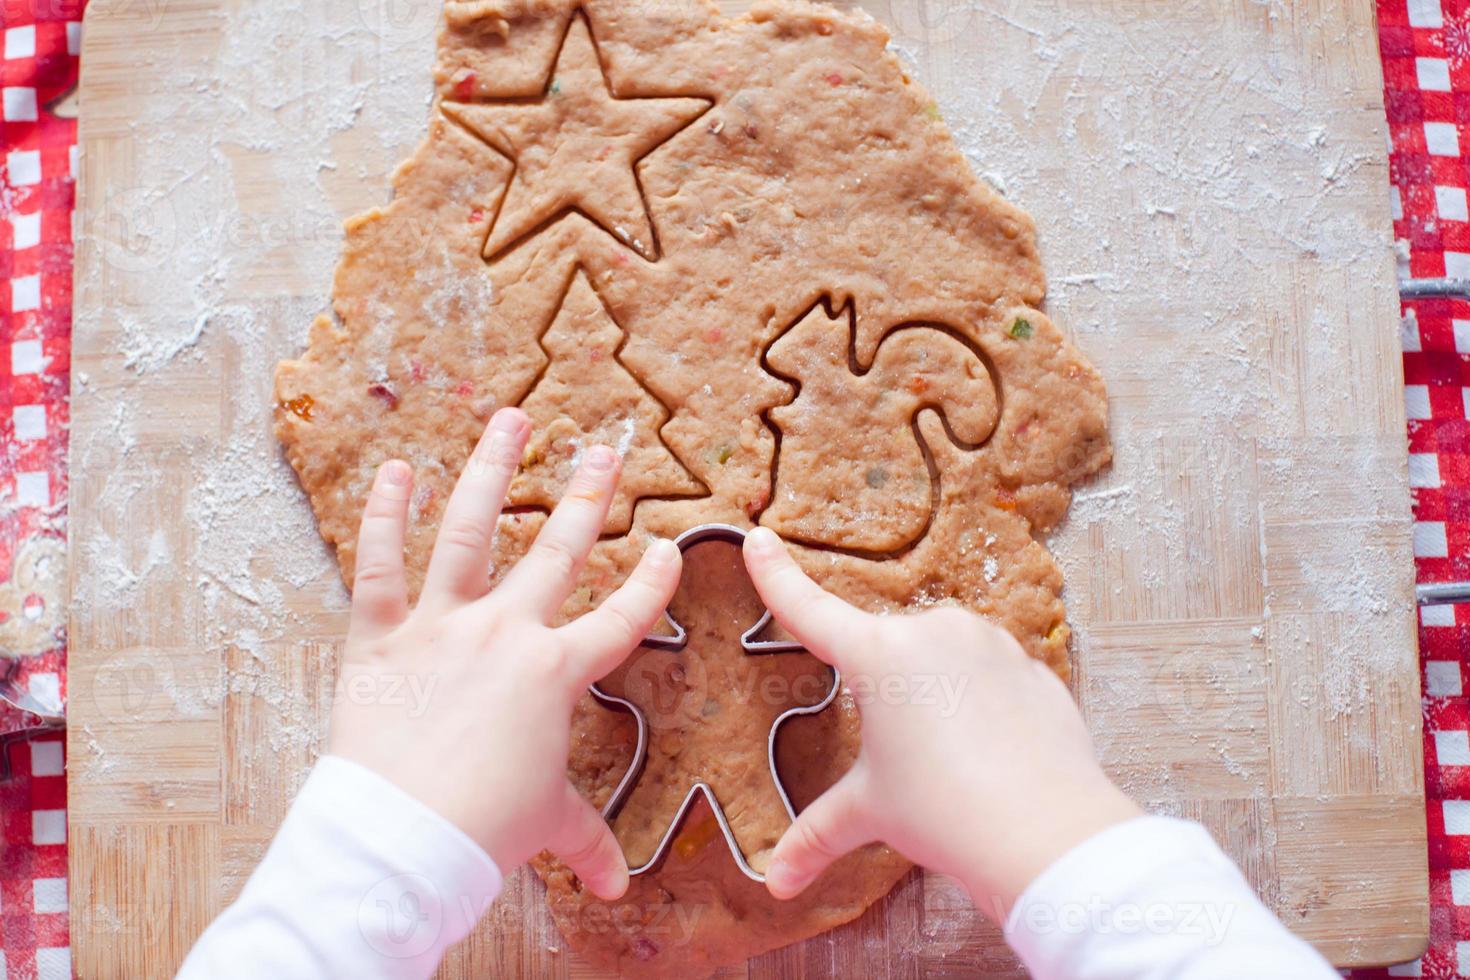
266 155
227 561
1179 180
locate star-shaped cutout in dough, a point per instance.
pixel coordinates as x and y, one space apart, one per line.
575 150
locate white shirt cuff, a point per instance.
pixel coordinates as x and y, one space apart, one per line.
1152 897
362 880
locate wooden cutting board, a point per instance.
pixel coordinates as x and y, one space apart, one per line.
1210 183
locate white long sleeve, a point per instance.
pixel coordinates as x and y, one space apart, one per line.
365 881
1149 899
362 881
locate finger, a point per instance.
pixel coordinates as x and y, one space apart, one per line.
828 829
548 573
459 570
600 640
831 629
586 844
379 592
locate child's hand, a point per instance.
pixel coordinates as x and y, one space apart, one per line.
466 701
991 788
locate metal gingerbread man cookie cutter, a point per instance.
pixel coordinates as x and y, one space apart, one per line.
678 641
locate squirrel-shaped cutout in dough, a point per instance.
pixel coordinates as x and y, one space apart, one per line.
710 706
852 472
588 396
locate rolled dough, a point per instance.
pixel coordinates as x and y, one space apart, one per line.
747 254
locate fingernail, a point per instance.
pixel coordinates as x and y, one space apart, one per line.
614 885
601 459
782 878
507 420
763 539
662 552
397 473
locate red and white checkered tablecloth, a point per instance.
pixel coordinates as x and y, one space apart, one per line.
1426 60
38 158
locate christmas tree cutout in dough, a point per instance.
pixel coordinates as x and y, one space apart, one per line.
576 149
587 396
853 473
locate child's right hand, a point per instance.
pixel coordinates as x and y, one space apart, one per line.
990 785
483 741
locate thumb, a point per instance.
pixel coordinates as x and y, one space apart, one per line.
603 638
586 844
828 829
834 631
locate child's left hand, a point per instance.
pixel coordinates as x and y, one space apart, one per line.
466 700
